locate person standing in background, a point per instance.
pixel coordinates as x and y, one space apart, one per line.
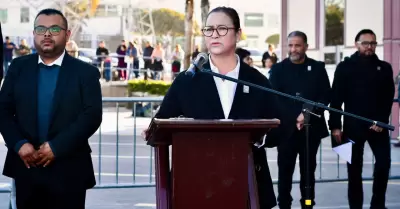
23 49
358 77
177 57
299 75
8 51
157 59
121 51
72 48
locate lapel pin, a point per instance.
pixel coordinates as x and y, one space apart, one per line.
246 89
309 68
379 68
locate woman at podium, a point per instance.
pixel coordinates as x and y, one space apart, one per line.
203 96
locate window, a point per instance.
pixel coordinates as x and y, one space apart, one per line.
112 10
3 15
252 41
253 20
334 22
330 58
24 14
101 11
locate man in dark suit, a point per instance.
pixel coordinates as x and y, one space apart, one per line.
364 84
301 76
50 104
198 98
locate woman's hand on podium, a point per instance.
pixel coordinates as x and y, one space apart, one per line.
144 134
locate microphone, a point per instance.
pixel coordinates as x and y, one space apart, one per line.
197 64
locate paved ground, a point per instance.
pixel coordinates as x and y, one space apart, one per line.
329 195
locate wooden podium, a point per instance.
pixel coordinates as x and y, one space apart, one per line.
212 162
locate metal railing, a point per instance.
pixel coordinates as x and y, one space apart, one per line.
130 137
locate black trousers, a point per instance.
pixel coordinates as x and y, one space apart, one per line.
287 154
37 189
380 146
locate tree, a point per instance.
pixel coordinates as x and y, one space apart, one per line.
205 8
189 29
273 39
334 22
169 22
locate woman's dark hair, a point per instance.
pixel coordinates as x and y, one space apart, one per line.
231 13
242 53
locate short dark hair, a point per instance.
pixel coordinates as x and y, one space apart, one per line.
51 11
7 38
300 34
362 32
231 13
242 53
273 59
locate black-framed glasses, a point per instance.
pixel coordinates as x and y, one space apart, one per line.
222 30
54 30
368 43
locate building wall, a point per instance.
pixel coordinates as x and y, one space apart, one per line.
357 18
302 15
13 26
256 35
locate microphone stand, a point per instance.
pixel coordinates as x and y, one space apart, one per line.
308 107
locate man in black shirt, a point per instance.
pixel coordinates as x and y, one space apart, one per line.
302 76
364 84
101 53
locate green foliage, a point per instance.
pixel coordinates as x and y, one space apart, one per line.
334 22
168 21
273 39
152 87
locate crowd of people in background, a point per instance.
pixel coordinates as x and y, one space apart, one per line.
129 54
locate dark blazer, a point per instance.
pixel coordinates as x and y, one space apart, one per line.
76 115
366 88
198 98
311 84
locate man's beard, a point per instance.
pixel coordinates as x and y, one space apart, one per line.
370 54
296 57
48 52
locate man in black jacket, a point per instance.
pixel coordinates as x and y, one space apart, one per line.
301 76
50 104
357 79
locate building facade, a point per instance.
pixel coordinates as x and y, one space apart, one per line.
382 16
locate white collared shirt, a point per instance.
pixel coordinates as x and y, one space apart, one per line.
58 61
226 89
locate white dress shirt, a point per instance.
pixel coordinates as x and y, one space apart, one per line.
58 61
226 90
